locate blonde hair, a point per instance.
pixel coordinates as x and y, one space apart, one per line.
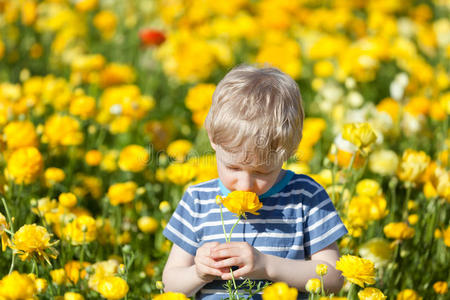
256 112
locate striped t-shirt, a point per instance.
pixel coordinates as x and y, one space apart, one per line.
297 220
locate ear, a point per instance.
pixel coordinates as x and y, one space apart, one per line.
214 146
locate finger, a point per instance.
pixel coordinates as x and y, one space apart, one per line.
209 271
226 252
211 244
241 272
229 262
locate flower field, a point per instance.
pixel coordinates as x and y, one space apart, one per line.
101 112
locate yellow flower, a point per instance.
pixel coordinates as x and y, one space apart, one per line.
67 200
440 287
17 286
101 270
62 130
323 68
105 21
58 276
377 250
4 236
413 165
383 162
133 158
359 134
446 235
93 157
74 270
241 202
73 296
148 224
179 149
25 165
199 97
80 231
53 175
408 294
321 269
164 206
413 219
41 285
20 134
370 293
279 291
33 241
313 286
83 106
357 270
180 174
122 192
368 187
115 73
113 287
84 6
398 231
170 296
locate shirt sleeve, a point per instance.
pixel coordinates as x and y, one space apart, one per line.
180 229
322 224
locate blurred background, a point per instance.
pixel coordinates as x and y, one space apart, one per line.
101 111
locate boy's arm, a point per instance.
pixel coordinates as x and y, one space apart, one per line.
187 274
296 273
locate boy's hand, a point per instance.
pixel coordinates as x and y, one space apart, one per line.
205 264
250 261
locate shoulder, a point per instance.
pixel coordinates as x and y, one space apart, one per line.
305 183
204 189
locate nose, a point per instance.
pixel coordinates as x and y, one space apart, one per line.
245 182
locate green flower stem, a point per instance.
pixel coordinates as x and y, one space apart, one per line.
321 287
405 203
352 292
228 239
11 232
349 168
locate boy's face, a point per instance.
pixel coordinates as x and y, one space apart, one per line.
238 176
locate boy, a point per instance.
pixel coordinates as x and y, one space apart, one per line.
254 125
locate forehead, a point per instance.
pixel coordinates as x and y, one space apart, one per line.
247 158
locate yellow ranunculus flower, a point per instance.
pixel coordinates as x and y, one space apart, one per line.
133 158
446 236
105 21
4 236
20 134
25 165
198 100
383 162
359 134
74 270
122 192
83 106
440 287
113 287
398 231
370 293
84 6
413 165
179 149
93 157
408 294
180 174
115 73
102 269
313 286
148 224
241 202
321 269
62 130
33 241
368 187
82 230
279 291
67 200
41 285
58 276
73 296
323 68
357 270
53 175
377 250
17 286
170 296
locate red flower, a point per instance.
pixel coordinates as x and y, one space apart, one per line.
151 37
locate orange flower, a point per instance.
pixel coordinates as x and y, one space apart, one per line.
240 202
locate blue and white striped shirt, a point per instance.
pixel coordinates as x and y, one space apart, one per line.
297 220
